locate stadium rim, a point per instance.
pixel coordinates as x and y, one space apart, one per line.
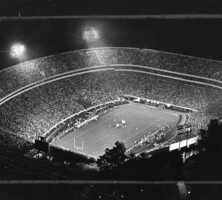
110 67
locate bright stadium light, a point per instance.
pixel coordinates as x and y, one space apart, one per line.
91 35
17 50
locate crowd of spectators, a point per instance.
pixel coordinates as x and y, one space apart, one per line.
40 69
12 143
33 113
153 139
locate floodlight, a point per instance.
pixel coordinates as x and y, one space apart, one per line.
91 35
17 50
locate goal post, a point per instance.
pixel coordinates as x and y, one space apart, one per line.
76 146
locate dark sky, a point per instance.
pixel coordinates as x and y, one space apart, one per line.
74 7
193 37
198 37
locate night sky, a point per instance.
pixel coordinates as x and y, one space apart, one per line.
92 7
197 37
201 38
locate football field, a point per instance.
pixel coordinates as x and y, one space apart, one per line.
126 123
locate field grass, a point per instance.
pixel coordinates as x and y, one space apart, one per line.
141 120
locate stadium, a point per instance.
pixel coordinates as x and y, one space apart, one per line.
84 101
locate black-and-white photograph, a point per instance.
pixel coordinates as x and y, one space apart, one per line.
111 99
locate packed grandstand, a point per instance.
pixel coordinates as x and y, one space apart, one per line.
39 94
